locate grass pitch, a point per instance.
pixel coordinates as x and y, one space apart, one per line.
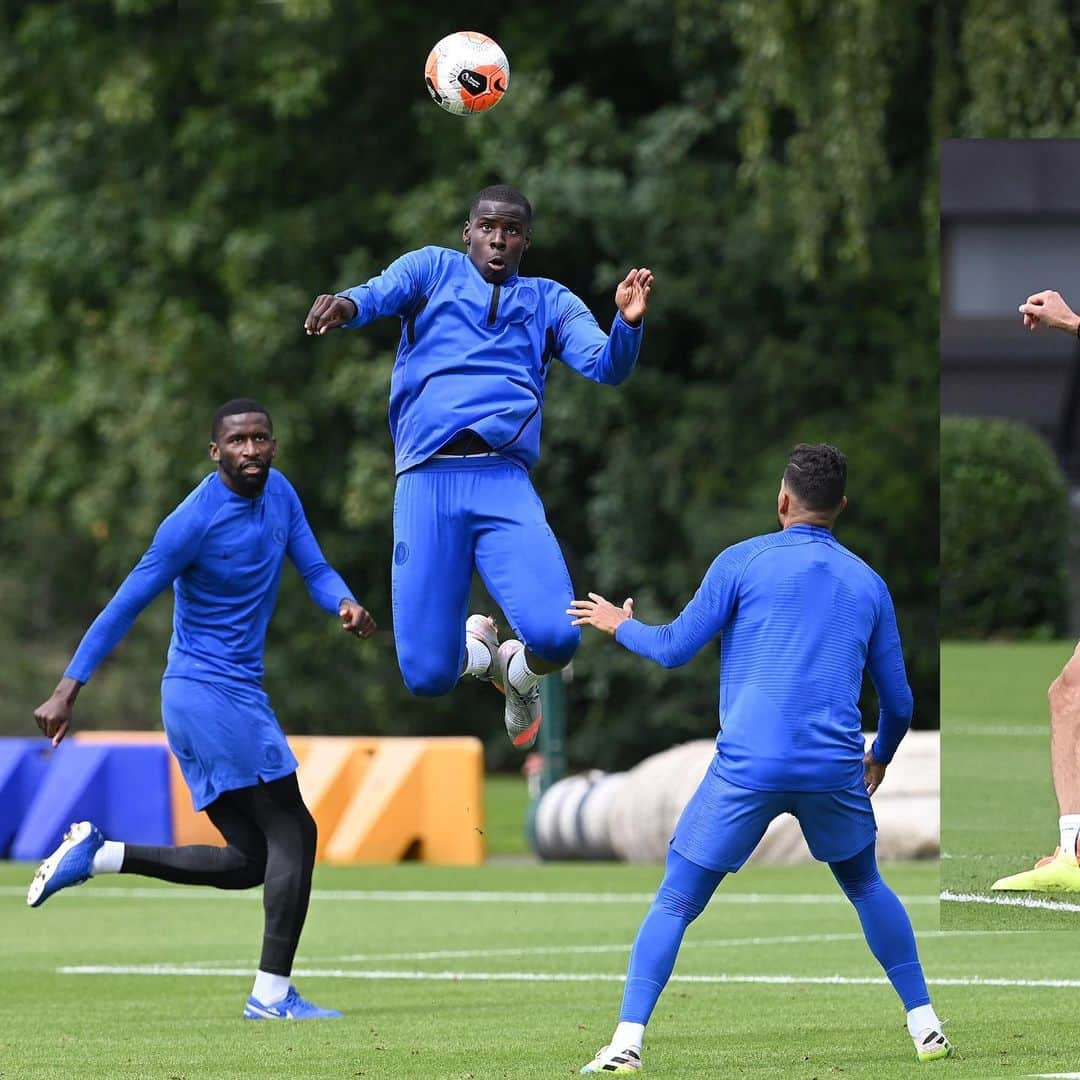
506 971
998 812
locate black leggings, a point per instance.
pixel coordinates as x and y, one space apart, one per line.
271 842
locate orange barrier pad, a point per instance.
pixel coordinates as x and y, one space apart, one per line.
375 800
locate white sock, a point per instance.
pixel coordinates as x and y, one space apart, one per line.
108 858
269 989
922 1018
477 658
1069 824
521 678
628 1036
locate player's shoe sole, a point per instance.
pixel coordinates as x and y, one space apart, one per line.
484 629
291 1007
523 714
70 864
610 1061
932 1046
1056 873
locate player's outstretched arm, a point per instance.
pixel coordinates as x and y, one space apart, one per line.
601 613
53 715
356 619
1047 308
329 312
632 295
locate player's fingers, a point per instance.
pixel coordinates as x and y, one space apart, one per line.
597 598
318 306
61 731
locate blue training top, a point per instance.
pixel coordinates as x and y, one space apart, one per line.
474 356
222 553
800 617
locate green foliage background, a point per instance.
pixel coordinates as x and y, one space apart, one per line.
178 180
1004 531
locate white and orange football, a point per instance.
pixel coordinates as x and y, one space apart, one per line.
467 72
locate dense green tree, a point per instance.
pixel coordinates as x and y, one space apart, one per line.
178 180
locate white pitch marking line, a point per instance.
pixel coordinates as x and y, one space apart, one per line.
558 977
1003 731
1008 901
557 950
104 892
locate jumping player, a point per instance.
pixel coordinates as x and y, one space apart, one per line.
466 404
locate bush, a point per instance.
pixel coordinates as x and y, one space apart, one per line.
1004 531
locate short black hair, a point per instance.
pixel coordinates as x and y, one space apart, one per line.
816 475
235 408
501 193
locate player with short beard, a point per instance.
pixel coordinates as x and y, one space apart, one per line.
798 617
222 551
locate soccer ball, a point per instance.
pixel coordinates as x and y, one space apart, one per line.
466 73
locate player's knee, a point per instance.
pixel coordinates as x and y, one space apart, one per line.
555 643
249 871
423 678
679 904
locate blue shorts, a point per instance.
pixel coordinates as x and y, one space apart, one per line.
224 735
454 515
723 823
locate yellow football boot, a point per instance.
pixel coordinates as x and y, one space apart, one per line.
1056 873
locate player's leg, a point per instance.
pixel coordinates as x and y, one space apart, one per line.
1059 872
290 835
523 568
718 830
889 934
840 830
238 865
430 577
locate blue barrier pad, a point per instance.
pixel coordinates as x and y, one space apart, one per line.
123 789
22 768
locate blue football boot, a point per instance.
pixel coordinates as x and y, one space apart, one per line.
70 864
291 1007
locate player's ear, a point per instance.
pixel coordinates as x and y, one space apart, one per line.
843 505
215 453
465 234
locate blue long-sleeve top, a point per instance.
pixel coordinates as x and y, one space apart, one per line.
474 356
223 554
799 619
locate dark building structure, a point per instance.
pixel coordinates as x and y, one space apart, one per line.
1010 226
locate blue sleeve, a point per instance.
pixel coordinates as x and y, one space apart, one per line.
582 345
324 583
174 547
885 660
699 622
393 292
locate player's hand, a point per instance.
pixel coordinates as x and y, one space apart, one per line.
873 771
1047 308
54 715
632 295
601 613
329 312
355 619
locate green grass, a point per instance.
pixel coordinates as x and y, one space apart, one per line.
181 1027
998 813
506 799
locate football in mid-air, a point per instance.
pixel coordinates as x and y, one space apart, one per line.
467 72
